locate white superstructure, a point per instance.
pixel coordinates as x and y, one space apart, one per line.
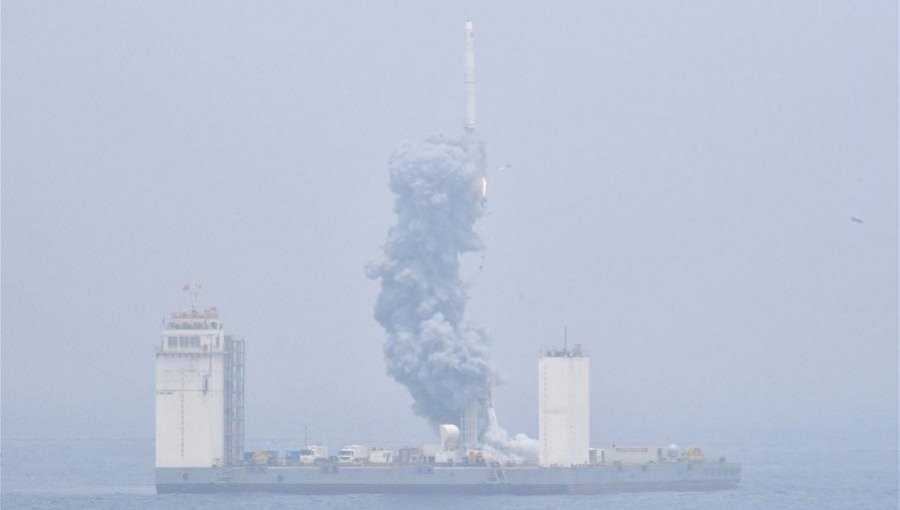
564 408
199 392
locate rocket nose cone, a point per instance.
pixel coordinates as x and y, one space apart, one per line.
469 25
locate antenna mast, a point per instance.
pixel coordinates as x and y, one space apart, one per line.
193 289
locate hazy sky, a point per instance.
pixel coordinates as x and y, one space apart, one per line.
683 180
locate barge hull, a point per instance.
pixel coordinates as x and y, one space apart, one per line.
450 480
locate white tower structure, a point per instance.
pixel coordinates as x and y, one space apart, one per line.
199 391
474 419
564 409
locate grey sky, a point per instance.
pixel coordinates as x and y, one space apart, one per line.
683 181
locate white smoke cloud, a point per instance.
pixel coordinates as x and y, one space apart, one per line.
441 359
504 448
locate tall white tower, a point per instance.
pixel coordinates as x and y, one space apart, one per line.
564 409
199 392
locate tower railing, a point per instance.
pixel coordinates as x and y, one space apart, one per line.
234 399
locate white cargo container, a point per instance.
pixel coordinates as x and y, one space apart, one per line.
312 453
633 454
445 457
381 456
353 453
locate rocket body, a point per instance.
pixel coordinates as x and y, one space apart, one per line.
470 76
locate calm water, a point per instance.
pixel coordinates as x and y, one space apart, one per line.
117 474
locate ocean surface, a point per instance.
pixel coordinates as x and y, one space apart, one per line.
118 474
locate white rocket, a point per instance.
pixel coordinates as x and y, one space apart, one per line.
470 77
470 102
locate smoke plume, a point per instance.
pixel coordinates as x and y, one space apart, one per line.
517 448
442 360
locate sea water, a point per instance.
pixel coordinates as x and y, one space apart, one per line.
117 474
